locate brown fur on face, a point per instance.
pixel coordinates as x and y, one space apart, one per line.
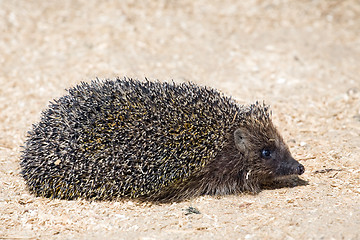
241 166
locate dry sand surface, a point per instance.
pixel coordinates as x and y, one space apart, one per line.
302 57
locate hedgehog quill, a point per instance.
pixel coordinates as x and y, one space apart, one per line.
152 141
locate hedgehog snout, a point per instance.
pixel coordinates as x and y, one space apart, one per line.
290 167
295 167
300 169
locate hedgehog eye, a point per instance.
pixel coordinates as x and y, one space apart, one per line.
266 153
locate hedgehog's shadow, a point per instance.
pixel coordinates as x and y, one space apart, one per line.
289 182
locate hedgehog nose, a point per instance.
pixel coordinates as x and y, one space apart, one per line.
300 169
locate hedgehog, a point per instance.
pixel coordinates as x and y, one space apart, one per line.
152 141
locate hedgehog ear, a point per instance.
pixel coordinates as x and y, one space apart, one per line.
240 140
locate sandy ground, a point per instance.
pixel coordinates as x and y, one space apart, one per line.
302 57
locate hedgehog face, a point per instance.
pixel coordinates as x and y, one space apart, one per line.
265 153
278 160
